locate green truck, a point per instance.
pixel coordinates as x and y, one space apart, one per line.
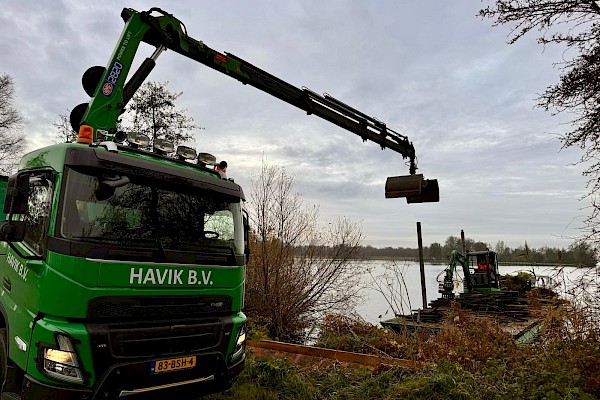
123 273
123 259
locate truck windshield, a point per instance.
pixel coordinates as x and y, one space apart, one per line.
143 213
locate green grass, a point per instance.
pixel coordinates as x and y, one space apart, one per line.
497 380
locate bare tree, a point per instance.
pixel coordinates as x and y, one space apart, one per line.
152 112
64 131
11 123
574 24
298 270
391 284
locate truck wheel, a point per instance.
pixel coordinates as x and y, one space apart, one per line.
3 359
8 379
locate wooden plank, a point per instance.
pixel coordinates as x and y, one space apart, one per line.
301 354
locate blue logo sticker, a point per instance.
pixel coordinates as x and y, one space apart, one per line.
112 78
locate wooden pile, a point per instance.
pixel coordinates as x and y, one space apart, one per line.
504 306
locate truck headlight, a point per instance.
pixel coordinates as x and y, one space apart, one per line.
62 363
240 343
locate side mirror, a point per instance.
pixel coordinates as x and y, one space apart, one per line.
246 220
414 188
17 192
12 231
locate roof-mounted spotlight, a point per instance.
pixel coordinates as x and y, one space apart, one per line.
186 153
137 140
205 159
119 137
163 146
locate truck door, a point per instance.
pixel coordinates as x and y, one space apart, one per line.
24 263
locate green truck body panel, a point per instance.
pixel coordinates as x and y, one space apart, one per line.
46 283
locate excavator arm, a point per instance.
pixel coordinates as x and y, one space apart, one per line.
447 287
457 258
110 94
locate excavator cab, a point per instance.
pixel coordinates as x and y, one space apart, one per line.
485 275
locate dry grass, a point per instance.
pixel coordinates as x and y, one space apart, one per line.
464 339
470 358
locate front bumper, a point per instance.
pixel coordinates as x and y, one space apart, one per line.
122 354
135 381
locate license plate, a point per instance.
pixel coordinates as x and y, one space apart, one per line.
172 364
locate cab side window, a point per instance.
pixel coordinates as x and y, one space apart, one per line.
37 218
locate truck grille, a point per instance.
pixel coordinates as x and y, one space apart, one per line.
157 307
163 339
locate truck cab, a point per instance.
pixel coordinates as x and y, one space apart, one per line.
123 273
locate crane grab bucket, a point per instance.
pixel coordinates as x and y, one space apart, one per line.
413 187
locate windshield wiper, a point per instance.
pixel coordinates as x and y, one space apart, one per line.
156 241
95 238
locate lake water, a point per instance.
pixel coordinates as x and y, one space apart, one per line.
404 282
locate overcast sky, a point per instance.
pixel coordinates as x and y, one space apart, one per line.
431 70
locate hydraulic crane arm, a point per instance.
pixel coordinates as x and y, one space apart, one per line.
110 94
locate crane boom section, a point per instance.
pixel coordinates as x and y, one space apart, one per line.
166 31
107 103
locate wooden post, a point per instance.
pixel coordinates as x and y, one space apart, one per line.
422 266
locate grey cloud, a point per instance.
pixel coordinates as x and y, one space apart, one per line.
430 70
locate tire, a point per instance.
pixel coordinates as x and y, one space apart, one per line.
3 359
9 388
